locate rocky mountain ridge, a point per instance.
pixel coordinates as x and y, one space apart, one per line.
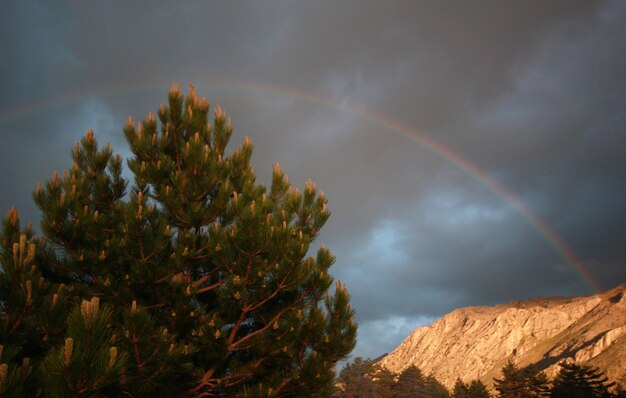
475 342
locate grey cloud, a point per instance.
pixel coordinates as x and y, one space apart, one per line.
531 93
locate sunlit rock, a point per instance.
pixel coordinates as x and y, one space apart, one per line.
475 342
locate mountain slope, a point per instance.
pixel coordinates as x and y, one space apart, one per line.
475 342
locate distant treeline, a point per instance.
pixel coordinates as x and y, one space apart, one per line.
364 378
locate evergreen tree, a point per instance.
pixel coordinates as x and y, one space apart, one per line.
355 380
22 288
538 383
460 390
475 389
411 383
580 381
363 378
434 389
478 389
384 382
521 383
193 283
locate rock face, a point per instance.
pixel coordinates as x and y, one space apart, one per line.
475 342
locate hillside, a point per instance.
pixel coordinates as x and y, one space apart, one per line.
475 342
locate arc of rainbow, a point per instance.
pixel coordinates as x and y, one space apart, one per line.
451 156
446 153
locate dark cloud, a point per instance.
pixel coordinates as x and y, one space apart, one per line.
530 93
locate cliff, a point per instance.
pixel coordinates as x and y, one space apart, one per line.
475 342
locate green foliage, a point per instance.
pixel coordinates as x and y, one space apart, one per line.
195 282
475 389
521 383
14 376
433 388
460 390
88 364
354 378
411 383
384 380
580 381
364 379
478 389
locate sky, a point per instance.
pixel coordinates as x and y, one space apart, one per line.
472 152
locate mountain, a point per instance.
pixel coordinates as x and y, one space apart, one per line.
476 342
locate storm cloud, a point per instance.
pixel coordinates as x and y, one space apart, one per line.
530 94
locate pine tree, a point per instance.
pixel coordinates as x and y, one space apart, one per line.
580 381
364 378
384 382
475 389
510 385
434 389
460 390
411 383
355 379
195 282
521 383
478 389
538 383
21 289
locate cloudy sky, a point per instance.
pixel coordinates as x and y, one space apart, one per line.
472 152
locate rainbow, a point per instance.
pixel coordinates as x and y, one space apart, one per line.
558 244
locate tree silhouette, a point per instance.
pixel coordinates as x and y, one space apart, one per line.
363 378
521 383
460 390
433 388
580 381
477 389
410 383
